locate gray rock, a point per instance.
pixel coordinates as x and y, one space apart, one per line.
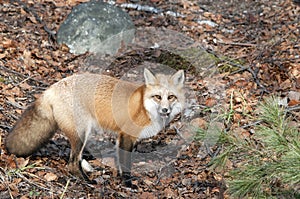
96 27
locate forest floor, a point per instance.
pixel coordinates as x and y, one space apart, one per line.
256 49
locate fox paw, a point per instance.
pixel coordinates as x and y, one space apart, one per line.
128 183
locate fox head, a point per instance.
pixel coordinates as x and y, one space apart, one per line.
164 95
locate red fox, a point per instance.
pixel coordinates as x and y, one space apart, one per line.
83 103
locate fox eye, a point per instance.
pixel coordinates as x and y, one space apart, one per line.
171 97
157 97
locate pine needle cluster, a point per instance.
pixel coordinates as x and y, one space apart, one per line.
267 165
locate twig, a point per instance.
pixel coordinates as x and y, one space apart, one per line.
238 44
16 105
3 126
293 108
159 175
217 151
242 68
65 189
251 124
24 80
249 69
23 76
177 130
32 183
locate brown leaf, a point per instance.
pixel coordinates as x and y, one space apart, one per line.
186 181
27 58
33 19
298 82
210 102
25 86
293 102
286 84
169 193
14 189
147 195
120 1
237 117
2 55
109 161
148 182
23 12
50 177
199 123
22 162
8 43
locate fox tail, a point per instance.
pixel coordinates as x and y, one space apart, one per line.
35 127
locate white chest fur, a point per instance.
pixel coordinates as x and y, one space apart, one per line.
153 129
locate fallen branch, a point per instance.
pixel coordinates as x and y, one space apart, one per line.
150 9
249 69
238 44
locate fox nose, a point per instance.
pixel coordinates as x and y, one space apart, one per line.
164 110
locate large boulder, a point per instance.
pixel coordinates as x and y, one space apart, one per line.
96 27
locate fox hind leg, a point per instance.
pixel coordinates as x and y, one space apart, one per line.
75 160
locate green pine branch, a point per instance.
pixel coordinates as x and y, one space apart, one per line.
268 164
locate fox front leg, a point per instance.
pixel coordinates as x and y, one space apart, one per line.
125 146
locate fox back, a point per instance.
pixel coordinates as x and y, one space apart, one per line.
86 101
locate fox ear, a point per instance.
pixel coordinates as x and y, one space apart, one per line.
178 78
149 77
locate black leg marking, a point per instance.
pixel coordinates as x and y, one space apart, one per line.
126 145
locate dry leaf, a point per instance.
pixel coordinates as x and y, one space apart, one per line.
147 195
210 102
293 102
25 86
27 58
50 177
2 55
22 162
199 123
8 43
33 19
